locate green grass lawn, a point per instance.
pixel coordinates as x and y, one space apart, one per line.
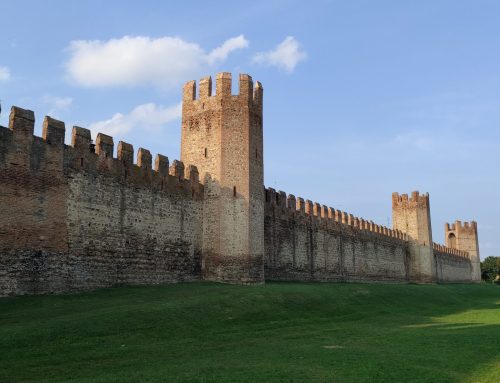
278 332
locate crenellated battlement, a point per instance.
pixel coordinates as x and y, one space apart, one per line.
223 85
414 200
289 204
450 251
84 155
463 227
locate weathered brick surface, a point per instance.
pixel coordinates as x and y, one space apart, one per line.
306 241
453 268
222 136
433 262
319 244
33 192
73 219
137 235
411 215
463 236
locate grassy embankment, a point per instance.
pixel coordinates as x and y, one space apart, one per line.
278 332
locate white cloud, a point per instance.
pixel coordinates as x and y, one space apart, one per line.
285 56
56 104
220 54
417 140
142 60
4 73
148 117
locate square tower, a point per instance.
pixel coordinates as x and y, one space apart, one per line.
222 136
464 237
412 216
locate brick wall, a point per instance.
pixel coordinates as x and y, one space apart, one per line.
222 136
309 242
73 219
452 268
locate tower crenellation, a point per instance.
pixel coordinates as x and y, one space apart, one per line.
411 214
223 88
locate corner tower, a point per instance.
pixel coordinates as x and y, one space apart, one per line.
413 216
222 136
464 237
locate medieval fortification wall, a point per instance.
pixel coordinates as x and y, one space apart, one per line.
307 241
73 217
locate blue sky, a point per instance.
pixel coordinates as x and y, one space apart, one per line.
361 98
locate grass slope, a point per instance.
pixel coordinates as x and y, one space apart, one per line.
278 332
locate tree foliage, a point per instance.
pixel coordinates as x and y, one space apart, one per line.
490 269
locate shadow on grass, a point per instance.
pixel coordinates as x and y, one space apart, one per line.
279 332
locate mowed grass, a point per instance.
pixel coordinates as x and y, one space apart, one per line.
278 332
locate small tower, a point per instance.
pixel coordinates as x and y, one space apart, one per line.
464 237
412 216
222 136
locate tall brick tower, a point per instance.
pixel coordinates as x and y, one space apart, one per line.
464 237
222 136
412 216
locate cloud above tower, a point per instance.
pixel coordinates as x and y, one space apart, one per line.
4 73
140 60
286 55
146 118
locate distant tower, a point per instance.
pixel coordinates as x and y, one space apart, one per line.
222 136
412 216
464 237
